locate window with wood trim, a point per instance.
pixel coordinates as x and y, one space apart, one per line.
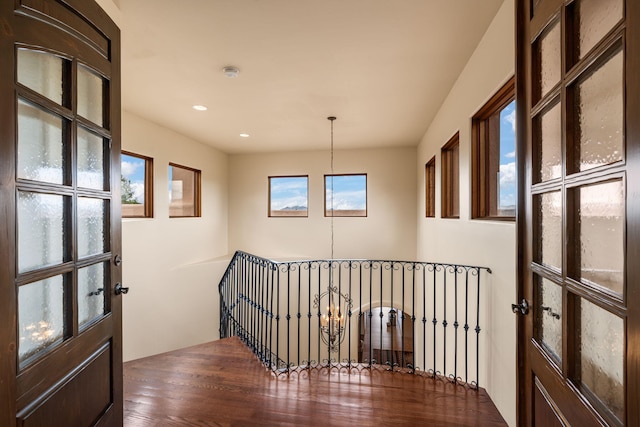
493 153
136 181
345 195
184 191
430 187
450 175
289 196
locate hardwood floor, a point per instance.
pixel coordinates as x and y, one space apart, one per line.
221 383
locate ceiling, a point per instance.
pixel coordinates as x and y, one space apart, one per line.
383 67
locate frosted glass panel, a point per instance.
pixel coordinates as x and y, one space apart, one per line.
90 95
91 221
41 72
549 145
549 317
550 228
602 355
550 59
595 19
91 293
40 316
90 160
40 144
601 224
40 230
600 115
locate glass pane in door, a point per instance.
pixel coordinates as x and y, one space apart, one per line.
595 18
92 289
90 95
548 146
91 160
601 223
40 316
549 212
601 359
549 316
550 59
42 72
40 144
91 226
599 115
41 230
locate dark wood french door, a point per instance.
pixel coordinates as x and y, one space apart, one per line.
60 315
578 100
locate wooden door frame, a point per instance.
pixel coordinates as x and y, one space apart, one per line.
524 167
523 408
8 294
632 130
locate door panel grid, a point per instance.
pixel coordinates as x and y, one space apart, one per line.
575 62
60 225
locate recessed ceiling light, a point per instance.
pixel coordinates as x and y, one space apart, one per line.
244 135
199 108
230 72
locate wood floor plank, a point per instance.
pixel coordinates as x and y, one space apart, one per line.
221 383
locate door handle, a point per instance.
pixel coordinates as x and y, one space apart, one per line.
96 292
120 289
522 308
551 312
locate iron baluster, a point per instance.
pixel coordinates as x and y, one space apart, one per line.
455 324
466 328
478 332
435 320
273 271
309 316
424 318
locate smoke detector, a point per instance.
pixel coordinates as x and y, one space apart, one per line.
230 72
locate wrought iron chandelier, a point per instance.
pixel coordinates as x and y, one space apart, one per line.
332 321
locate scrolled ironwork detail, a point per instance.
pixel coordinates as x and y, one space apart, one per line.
256 292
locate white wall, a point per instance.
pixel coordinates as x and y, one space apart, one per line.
477 242
172 266
388 232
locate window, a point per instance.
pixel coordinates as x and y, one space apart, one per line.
136 181
493 157
451 178
345 195
184 191
288 196
430 187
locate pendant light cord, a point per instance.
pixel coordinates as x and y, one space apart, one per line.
331 118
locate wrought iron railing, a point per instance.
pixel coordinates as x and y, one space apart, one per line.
417 317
